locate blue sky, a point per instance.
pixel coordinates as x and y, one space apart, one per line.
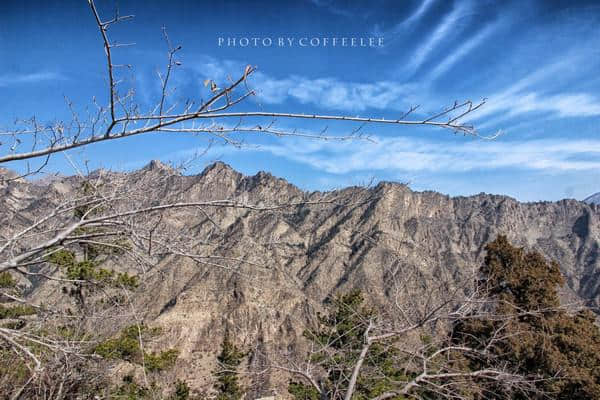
536 62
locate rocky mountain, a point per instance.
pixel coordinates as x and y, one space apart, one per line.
269 271
593 199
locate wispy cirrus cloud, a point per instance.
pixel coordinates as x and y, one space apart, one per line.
405 24
467 47
533 94
28 78
418 14
331 6
413 154
441 32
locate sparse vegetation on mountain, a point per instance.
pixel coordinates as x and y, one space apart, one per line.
127 347
85 260
520 345
339 340
178 290
558 349
229 359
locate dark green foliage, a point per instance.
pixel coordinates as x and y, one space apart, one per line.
16 311
126 281
87 267
10 310
62 258
542 341
79 377
124 347
85 271
525 280
81 262
155 362
301 391
131 390
182 391
14 372
127 347
88 270
346 325
227 377
6 280
527 334
341 336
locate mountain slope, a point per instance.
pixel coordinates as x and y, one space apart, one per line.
593 199
267 273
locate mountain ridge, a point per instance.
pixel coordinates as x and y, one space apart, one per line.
593 199
266 274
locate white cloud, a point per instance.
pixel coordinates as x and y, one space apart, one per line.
419 12
532 94
441 32
329 93
405 24
34 77
462 51
411 154
529 94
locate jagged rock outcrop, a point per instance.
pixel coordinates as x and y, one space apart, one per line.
593 199
273 269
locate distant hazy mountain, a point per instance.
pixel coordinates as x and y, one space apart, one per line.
593 199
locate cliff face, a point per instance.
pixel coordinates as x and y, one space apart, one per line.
593 199
324 248
271 270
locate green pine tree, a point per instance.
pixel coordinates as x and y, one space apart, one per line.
542 340
341 338
229 359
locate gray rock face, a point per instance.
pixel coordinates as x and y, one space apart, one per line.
270 271
593 199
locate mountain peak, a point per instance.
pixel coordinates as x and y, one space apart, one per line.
218 168
157 165
593 199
